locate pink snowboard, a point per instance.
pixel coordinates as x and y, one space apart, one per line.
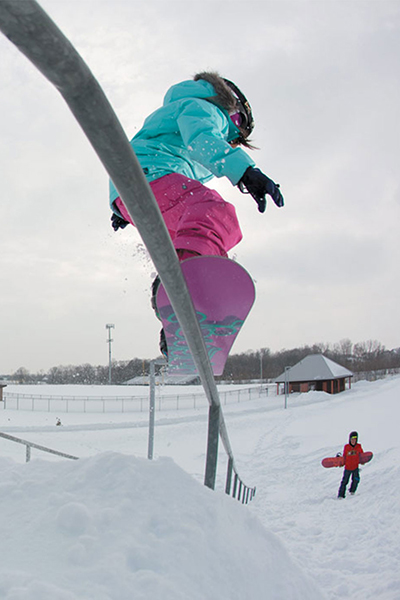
222 293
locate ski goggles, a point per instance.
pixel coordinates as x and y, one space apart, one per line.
237 119
243 110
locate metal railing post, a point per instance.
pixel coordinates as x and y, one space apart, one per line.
212 445
235 482
152 410
229 476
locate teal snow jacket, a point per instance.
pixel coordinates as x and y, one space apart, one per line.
189 135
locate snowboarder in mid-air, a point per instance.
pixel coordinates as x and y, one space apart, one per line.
199 132
351 455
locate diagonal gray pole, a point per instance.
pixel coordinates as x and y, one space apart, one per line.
27 26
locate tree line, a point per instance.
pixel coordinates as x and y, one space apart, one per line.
254 364
360 357
121 371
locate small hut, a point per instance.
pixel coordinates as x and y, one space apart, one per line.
315 372
2 385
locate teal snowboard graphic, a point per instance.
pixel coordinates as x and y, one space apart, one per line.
223 293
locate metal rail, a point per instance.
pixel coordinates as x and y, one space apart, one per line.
30 445
32 31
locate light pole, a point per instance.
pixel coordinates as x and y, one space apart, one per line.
109 326
152 405
286 385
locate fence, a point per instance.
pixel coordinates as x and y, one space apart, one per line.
126 404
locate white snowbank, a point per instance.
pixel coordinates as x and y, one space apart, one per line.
115 527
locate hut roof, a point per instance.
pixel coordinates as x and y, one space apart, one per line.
313 368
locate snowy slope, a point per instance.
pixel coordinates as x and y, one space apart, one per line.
116 526
351 547
120 527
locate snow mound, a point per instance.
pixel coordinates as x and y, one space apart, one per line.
116 527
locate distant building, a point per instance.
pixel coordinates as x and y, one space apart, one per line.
315 372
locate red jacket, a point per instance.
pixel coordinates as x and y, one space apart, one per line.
351 456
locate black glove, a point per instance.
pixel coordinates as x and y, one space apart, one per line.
118 222
257 184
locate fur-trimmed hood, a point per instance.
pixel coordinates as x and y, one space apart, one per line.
223 96
222 93
207 86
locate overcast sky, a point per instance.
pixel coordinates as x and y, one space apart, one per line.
323 81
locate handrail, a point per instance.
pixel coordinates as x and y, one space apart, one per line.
27 26
30 445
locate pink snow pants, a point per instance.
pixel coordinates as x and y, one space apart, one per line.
197 218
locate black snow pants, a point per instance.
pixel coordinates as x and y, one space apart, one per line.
355 480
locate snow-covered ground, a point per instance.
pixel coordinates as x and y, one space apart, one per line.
116 526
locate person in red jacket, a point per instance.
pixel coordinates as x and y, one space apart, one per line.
351 455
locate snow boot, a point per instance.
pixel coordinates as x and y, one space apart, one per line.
163 342
154 288
163 345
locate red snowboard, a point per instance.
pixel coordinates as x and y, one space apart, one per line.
338 461
222 293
